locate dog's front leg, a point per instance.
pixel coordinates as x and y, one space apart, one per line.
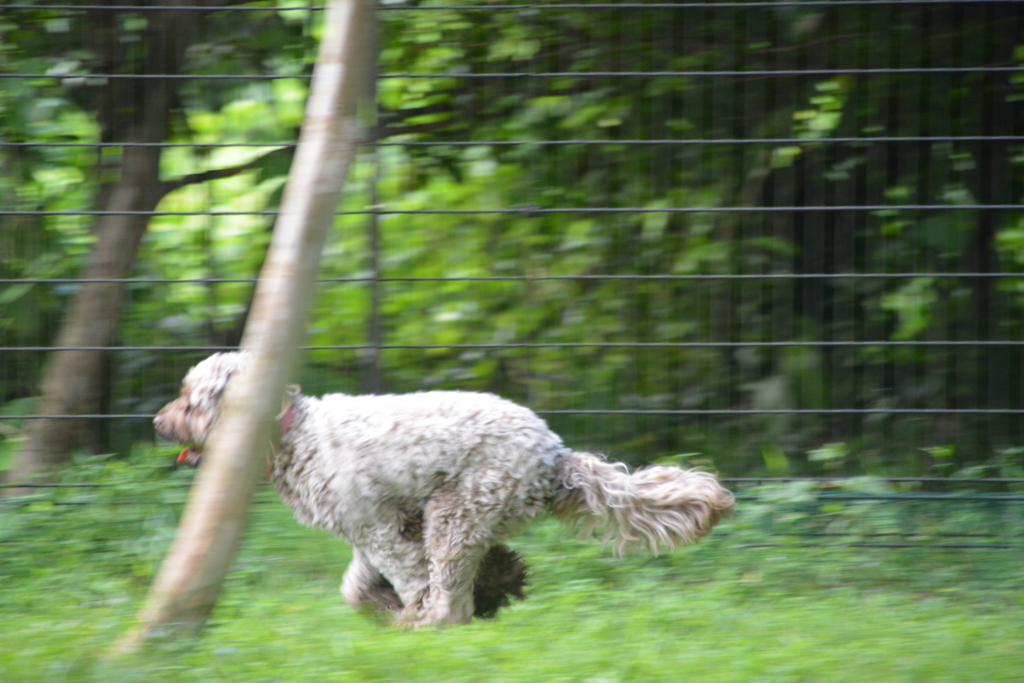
397 556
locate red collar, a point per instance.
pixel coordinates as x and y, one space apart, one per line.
286 419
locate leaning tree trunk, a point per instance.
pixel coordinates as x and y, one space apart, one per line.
71 380
189 581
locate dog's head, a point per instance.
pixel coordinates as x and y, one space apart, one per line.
189 418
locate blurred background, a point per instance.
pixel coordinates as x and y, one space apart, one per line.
697 228
707 228
781 240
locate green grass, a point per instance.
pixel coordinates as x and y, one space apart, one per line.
72 577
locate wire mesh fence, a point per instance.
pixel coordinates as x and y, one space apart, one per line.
774 237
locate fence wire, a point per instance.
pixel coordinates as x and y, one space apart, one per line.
731 228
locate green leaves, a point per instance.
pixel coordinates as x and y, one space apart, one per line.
912 303
686 161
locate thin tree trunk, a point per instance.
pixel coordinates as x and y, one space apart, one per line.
71 381
189 581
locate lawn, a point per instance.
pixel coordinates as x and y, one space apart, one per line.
73 576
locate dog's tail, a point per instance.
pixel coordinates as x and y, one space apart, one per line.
651 507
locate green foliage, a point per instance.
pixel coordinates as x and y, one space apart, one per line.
527 247
912 303
48 532
74 178
587 108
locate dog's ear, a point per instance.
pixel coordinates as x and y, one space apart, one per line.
231 364
222 382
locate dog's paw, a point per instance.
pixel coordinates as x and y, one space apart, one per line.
416 617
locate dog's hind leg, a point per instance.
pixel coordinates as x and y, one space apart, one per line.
456 538
363 587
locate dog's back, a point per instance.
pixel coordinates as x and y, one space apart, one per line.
447 429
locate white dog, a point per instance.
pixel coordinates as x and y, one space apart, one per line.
426 486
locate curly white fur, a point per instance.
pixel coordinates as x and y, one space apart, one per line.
474 467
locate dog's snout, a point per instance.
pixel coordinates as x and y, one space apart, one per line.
162 425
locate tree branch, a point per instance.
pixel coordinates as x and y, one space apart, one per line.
214 174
